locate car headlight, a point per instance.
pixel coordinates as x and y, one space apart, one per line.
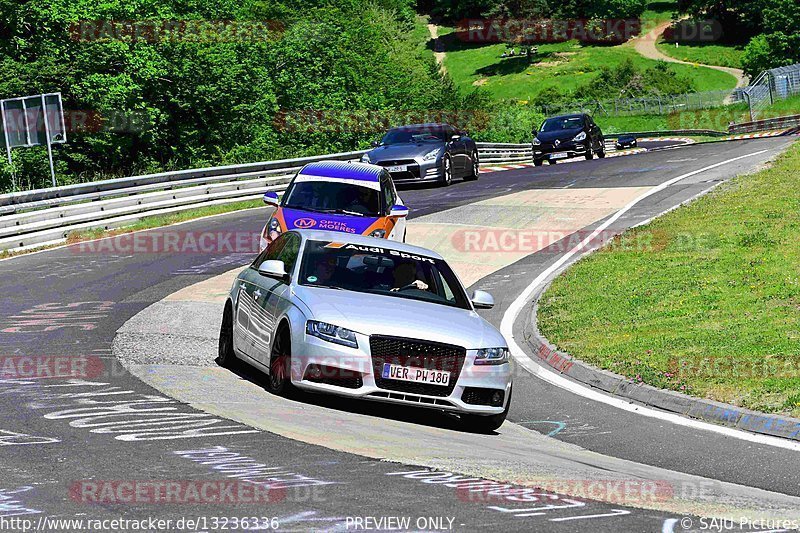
580 137
379 233
365 158
331 333
274 229
536 141
492 356
432 155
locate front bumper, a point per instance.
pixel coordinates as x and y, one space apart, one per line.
566 150
417 170
320 366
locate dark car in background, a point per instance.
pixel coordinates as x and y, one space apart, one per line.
626 141
426 153
567 136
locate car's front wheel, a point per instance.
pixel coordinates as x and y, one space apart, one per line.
447 171
280 364
225 356
589 153
538 162
476 168
483 423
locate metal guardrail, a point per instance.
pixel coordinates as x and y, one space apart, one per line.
164 178
47 216
776 123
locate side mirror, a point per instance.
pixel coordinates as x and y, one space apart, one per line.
374 144
482 300
398 211
273 269
271 198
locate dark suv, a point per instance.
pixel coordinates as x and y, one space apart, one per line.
565 137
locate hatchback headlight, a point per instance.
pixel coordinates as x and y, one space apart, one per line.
432 155
492 356
536 141
365 158
331 333
580 137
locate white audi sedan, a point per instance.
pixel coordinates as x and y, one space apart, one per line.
366 318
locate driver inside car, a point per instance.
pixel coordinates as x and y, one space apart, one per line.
404 275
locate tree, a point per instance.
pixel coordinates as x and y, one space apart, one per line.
779 44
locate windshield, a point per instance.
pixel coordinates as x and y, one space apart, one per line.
415 135
377 270
333 197
556 124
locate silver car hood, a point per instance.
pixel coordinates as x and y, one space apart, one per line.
372 314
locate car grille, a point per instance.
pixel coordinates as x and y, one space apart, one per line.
329 375
411 174
479 396
418 353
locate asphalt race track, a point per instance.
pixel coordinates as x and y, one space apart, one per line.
69 445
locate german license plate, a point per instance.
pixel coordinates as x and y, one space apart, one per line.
415 374
397 168
559 155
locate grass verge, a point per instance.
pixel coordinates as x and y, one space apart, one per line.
705 53
155 221
704 300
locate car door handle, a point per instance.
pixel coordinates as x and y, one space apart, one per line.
257 295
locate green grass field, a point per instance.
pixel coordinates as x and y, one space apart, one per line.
564 66
705 54
704 300
658 11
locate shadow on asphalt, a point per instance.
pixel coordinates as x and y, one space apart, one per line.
409 414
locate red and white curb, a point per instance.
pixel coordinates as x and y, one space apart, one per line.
776 133
683 140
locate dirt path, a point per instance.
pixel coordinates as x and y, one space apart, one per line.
646 46
434 29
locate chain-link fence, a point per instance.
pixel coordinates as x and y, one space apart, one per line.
649 105
771 86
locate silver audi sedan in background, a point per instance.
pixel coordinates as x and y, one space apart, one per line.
366 318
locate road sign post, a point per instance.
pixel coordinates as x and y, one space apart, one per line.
34 121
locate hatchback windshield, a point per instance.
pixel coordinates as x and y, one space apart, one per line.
414 135
378 270
556 124
333 197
